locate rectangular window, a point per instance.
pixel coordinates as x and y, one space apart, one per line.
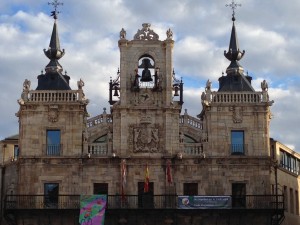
100 188
51 191
190 189
238 195
145 199
285 192
16 152
53 142
237 142
297 202
291 200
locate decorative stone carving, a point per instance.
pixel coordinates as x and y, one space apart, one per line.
80 84
181 137
146 33
264 87
109 136
144 137
53 113
26 85
122 34
237 116
85 135
207 95
169 34
24 95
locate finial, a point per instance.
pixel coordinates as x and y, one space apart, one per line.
233 6
55 4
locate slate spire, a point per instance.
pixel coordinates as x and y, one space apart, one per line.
53 79
235 80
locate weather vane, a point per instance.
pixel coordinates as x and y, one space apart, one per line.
55 4
233 6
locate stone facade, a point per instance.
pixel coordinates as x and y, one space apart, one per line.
147 129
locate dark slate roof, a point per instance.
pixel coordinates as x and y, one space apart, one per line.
235 83
53 81
235 80
13 137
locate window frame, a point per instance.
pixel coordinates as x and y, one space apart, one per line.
237 148
53 149
51 199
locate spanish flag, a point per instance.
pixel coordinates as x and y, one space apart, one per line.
146 184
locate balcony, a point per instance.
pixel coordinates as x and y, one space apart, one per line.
238 149
72 202
53 149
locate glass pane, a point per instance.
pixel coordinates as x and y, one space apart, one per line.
237 142
51 195
53 137
53 142
102 139
237 137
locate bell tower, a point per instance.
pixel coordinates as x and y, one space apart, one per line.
146 97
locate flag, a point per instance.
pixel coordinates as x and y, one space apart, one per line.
92 209
169 173
123 177
146 184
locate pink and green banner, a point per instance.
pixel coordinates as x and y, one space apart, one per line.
92 209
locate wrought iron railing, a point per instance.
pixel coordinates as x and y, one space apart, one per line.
19 202
53 149
238 149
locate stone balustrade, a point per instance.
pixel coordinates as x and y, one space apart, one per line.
195 149
190 121
100 119
236 97
55 96
98 149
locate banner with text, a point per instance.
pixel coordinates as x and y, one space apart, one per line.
204 202
92 209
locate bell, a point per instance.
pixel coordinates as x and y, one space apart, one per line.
146 74
116 93
176 91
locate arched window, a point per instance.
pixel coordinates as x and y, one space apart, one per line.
102 139
188 139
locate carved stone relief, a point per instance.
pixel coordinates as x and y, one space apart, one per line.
53 113
144 137
237 115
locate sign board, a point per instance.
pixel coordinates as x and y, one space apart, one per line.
204 202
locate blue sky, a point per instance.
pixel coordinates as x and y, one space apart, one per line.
269 32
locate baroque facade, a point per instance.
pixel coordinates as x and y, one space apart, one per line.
147 155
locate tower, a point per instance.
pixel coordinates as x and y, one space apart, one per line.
236 118
52 122
147 111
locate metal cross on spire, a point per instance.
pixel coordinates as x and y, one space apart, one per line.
233 6
55 4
